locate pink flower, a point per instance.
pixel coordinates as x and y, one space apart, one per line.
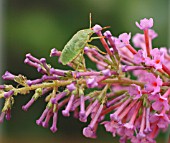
135 91
163 50
152 83
106 72
71 87
152 34
161 120
55 52
99 67
157 58
118 43
111 126
140 57
145 24
123 139
138 40
54 124
8 76
66 111
97 28
147 127
160 102
107 34
25 107
124 51
140 74
89 132
125 131
124 37
126 68
91 83
146 139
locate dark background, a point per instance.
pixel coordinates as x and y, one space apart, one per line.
37 26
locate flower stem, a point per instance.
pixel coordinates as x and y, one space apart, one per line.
147 42
43 85
123 81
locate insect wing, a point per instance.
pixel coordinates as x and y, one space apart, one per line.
69 53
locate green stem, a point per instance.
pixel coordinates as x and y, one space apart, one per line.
124 81
43 85
102 96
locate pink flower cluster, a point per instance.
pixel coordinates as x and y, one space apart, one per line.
138 109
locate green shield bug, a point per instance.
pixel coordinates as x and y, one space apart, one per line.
76 45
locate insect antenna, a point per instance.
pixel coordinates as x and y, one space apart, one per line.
90 19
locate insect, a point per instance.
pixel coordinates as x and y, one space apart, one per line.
76 44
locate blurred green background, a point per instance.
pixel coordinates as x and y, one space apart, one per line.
37 26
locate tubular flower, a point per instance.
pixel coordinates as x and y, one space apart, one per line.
138 107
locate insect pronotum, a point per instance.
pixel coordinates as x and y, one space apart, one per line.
76 45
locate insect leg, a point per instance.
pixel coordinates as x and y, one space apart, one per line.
79 62
92 46
81 65
94 38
